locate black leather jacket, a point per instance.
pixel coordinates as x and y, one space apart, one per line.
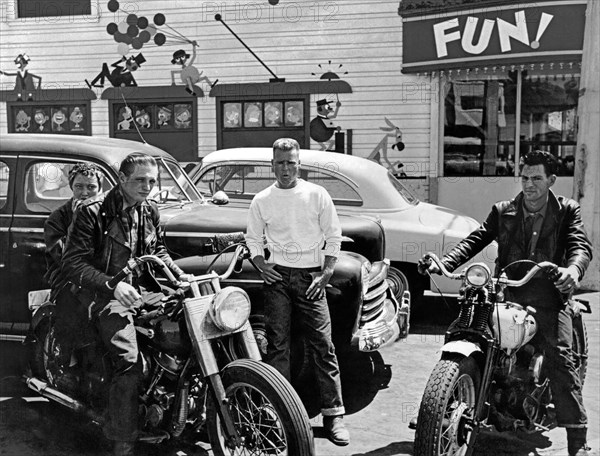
55 232
97 245
562 239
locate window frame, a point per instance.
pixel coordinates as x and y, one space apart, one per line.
12 15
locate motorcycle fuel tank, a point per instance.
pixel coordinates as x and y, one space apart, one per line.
512 325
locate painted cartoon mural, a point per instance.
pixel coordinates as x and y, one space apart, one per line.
121 76
25 81
188 73
322 127
380 152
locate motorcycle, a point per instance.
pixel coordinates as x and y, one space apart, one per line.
489 376
202 369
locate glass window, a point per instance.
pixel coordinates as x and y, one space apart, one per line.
164 117
173 184
4 174
294 113
143 115
479 127
183 116
341 193
232 117
44 8
273 115
47 185
548 118
34 118
242 181
253 115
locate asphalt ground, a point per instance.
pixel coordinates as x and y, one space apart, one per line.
382 393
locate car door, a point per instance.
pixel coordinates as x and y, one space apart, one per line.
8 166
241 181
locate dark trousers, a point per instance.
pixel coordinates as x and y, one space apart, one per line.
117 331
555 337
280 299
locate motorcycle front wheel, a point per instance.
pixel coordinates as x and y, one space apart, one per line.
266 411
446 411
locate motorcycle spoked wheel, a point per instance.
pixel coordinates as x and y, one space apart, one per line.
266 410
580 347
447 405
46 353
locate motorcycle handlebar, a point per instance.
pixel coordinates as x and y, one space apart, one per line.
550 267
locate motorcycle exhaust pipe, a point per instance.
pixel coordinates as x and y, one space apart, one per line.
53 394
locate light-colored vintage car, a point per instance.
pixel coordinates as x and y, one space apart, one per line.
357 186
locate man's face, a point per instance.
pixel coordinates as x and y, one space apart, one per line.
286 166
85 187
137 186
535 183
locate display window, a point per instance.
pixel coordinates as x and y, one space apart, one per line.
485 121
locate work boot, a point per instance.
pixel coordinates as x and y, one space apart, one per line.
577 442
121 448
335 430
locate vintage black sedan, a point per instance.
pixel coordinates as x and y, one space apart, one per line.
32 184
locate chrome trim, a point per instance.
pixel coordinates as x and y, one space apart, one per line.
27 230
374 292
12 338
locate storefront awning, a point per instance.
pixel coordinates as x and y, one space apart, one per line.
486 34
275 89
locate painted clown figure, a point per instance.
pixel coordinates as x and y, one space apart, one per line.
189 74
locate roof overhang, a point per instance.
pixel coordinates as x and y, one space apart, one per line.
48 95
276 89
150 92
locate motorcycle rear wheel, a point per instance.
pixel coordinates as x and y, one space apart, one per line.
446 408
580 347
267 413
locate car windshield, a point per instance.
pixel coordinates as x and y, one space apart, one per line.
402 190
173 184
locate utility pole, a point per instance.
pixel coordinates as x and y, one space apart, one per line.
586 188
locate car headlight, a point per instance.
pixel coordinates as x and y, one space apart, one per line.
230 308
478 275
365 271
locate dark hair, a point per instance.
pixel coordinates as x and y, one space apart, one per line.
285 144
88 170
134 160
540 157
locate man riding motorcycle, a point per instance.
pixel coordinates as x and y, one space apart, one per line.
537 225
106 232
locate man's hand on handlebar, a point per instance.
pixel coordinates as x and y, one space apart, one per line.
127 295
425 264
567 279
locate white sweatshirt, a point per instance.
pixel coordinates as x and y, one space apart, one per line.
297 222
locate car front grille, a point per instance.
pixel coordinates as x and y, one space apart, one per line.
374 296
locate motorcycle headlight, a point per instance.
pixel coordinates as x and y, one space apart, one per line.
478 275
230 308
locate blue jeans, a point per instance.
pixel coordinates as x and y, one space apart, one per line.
555 336
280 298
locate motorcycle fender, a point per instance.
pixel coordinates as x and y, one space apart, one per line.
42 313
462 347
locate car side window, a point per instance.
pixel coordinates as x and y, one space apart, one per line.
4 173
341 192
239 181
47 185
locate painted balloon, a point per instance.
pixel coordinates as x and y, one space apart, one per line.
144 36
113 6
142 22
132 31
112 28
123 26
123 49
159 19
151 29
160 39
132 19
136 43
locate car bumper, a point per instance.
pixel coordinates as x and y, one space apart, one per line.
392 324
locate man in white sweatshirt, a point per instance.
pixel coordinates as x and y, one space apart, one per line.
303 235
